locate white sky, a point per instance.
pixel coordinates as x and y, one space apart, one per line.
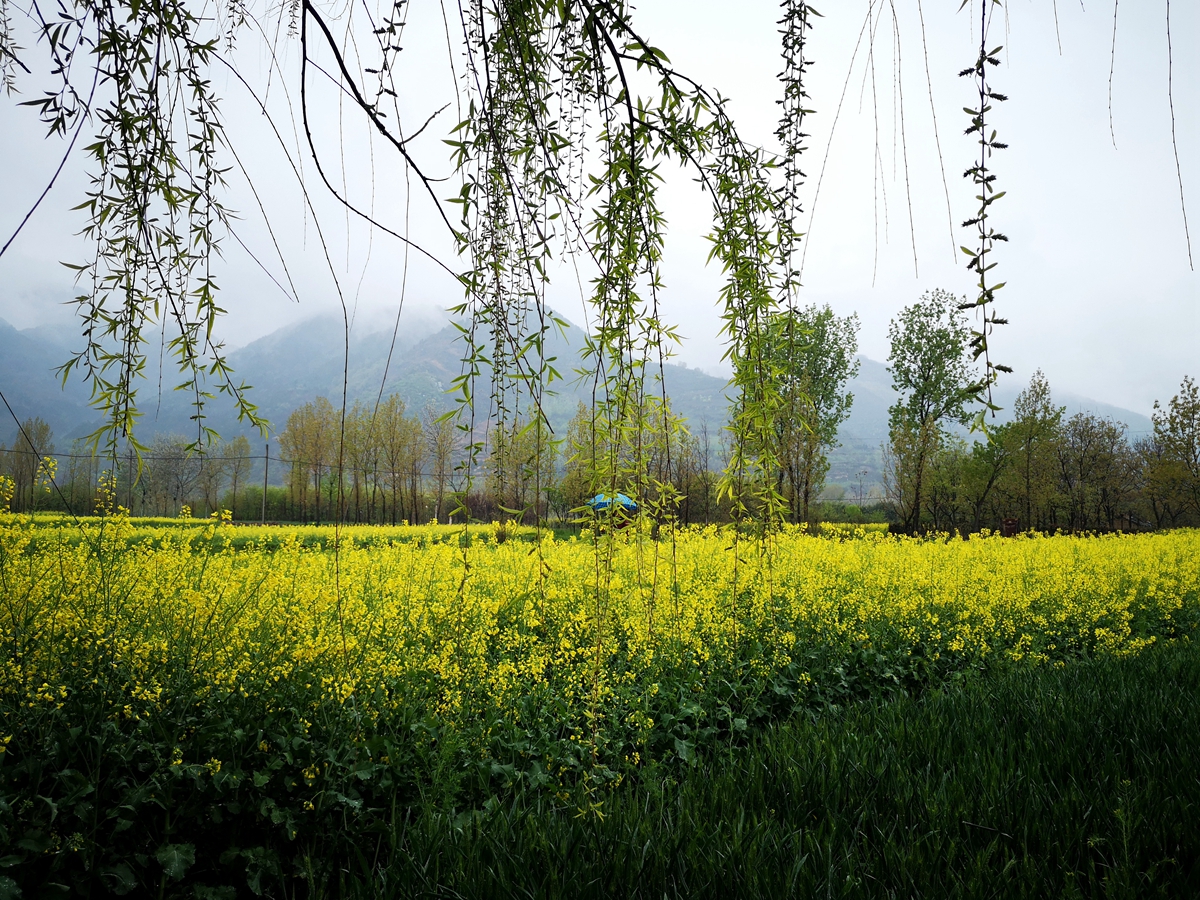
1100 294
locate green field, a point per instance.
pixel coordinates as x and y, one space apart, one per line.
203 710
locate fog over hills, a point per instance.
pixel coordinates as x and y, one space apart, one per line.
27 378
299 362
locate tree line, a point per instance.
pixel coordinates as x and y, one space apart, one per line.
382 464
167 477
1042 469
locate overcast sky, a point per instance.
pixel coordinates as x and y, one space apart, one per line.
1100 293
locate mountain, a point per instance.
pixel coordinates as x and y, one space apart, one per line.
31 387
299 362
293 365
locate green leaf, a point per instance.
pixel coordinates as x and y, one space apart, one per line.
176 859
36 841
119 878
685 750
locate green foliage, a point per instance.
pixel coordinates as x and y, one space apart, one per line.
1173 456
154 210
1034 781
567 112
930 371
928 362
1098 471
1045 472
557 77
1032 439
366 466
659 467
25 461
1060 782
520 469
812 356
142 759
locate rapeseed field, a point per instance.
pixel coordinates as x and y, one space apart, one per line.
262 673
590 631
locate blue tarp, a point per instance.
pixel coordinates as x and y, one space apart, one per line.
601 501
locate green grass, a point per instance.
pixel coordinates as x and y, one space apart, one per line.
156 532
1081 781
1075 782
200 535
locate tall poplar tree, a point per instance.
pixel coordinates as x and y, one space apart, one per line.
931 372
812 356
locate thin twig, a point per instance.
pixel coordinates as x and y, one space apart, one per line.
1174 143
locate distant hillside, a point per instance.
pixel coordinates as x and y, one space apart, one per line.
302 361
27 363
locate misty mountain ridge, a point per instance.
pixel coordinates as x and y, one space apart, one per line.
299 362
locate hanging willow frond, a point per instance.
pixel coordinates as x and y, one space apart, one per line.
986 236
154 210
568 113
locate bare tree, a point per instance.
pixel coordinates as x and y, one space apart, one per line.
443 439
237 454
210 479
35 441
169 475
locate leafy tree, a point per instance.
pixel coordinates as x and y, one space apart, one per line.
1158 499
579 454
27 461
401 451
691 479
170 473
945 484
414 472
83 475
567 112
986 464
653 463
704 481
361 460
210 479
1031 441
929 367
812 354
1174 469
35 441
960 484
520 468
309 444
1098 472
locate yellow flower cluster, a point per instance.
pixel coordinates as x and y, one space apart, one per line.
7 489
585 620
